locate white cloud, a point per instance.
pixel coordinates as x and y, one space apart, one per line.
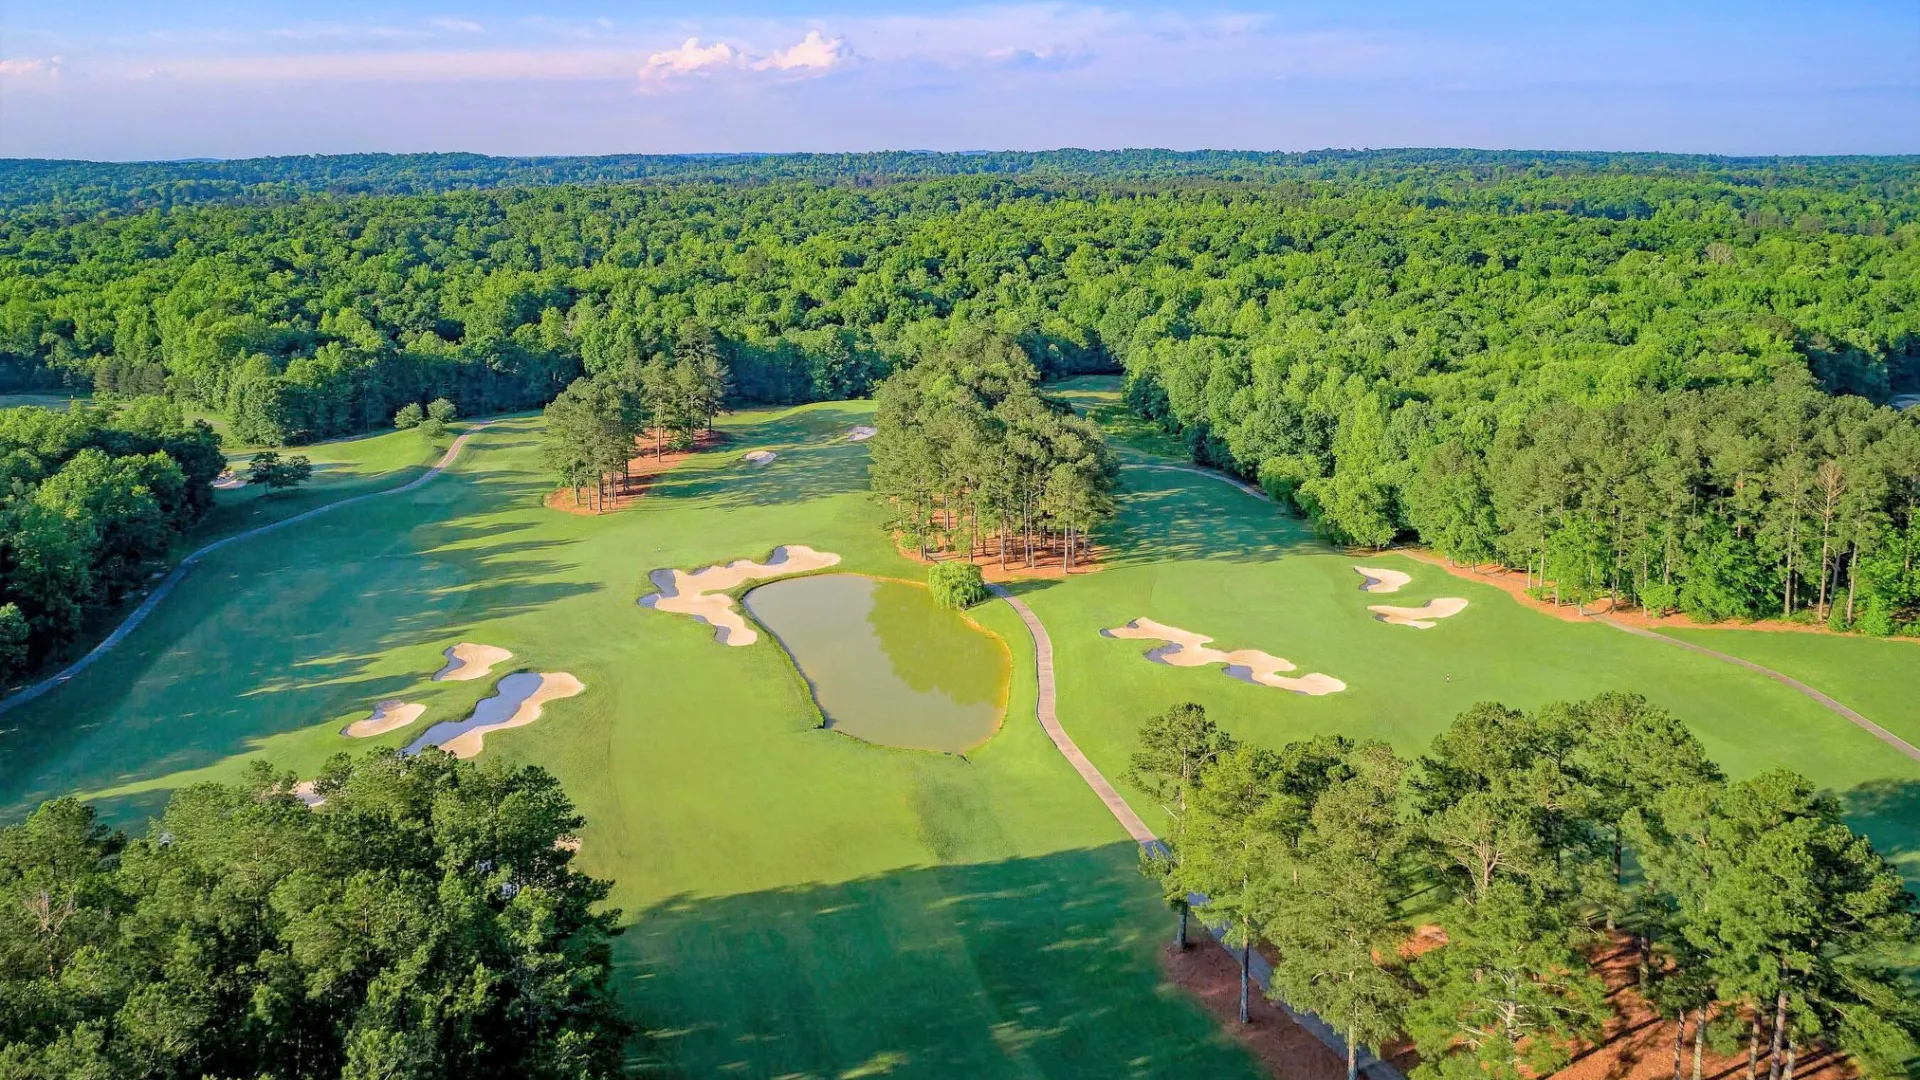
690 58
812 53
29 66
459 26
815 54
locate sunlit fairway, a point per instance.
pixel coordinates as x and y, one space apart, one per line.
803 903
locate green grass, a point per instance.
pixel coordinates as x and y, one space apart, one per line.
341 468
801 903
44 400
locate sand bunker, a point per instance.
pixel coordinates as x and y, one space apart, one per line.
387 716
703 593
1381 580
467 661
862 432
515 703
305 793
1422 617
1186 649
229 480
758 457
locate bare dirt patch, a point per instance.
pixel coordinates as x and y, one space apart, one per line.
1184 648
703 593
516 703
387 716
1424 617
467 661
643 471
1284 1049
1375 580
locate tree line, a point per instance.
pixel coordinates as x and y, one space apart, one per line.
595 426
968 454
1452 281
1522 844
91 499
424 921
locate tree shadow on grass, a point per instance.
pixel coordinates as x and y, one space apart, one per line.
1024 967
1888 812
797 475
206 679
1166 516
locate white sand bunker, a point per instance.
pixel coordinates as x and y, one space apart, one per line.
1186 649
467 661
703 593
862 432
758 457
515 703
229 480
387 716
1422 617
1377 580
305 793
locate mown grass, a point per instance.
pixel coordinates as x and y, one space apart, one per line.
801 903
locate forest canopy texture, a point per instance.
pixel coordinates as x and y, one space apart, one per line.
1663 380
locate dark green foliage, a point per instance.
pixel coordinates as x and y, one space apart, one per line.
956 584
274 472
425 921
1756 910
90 499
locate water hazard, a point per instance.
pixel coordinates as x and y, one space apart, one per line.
885 663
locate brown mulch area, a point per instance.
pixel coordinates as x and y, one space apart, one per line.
1515 585
1047 564
642 471
1638 1045
1283 1048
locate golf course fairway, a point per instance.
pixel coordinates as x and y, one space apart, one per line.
800 903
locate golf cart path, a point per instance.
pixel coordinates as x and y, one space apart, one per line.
1045 710
1825 701
1789 681
186 565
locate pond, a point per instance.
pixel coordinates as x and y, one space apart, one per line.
886 664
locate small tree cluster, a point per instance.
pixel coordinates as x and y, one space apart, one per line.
1758 912
426 920
274 472
594 426
965 435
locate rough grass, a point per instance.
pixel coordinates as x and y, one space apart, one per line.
801 903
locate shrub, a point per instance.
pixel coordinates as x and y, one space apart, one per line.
443 411
409 416
956 584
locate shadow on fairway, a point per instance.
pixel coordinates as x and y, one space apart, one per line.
797 475
208 678
1025 967
1889 812
1179 516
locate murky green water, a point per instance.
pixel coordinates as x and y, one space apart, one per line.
887 665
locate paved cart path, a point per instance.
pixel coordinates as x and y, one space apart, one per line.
160 592
1045 709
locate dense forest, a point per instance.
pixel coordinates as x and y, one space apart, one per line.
423 920
89 501
1460 899
1662 380
85 187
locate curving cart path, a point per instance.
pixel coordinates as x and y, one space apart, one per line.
1045 710
186 565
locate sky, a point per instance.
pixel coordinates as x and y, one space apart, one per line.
140 80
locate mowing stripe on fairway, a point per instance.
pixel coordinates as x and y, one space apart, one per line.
180 571
1871 728
1258 969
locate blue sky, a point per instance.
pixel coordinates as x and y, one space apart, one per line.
135 79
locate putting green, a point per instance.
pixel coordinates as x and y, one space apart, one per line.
802 903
